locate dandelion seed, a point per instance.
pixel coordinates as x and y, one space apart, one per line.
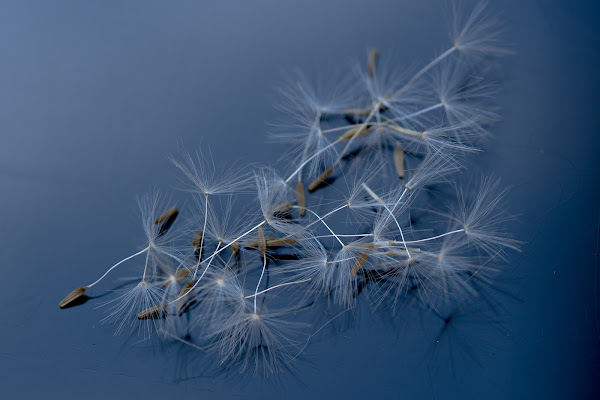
182 274
373 54
279 242
360 261
183 295
367 245
167 215
301 198
282 209
399 161
73 296
355 132
197 239
262 243
270 242
320 180
123 310
153 312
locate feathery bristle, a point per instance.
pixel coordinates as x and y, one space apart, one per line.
71 297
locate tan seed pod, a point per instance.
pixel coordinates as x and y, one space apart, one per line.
252 244
372 62
367 245
405 131
71 297
278 242
262 243
360 261
153 312
301 198
399 161
379 106
356 131
270 242
235 248
320 179
183 293
170 213
182 274
283 208
197 239
358 111
166 220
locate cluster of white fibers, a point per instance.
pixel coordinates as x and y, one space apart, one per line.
350 219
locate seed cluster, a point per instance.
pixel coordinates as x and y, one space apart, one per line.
353 219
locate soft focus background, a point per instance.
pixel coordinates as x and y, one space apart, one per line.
94 96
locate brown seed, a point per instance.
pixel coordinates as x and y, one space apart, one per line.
373 55
320 179
270 242
197 239
183 293
262 243
235 248
360 261
153 312
355 131
379 106
278 242
166 220
166 215
358 111
252 244
186 288
363 245
71 297
392 253
301 198
399 161
182 274
281 210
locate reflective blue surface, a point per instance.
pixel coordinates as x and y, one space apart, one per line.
95 96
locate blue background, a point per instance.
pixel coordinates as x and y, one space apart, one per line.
94 96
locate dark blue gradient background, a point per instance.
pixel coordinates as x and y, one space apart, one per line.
95 95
